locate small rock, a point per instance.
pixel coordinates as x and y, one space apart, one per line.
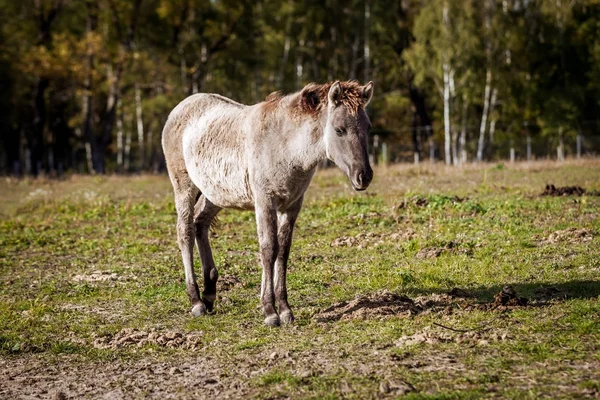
174 371
60 395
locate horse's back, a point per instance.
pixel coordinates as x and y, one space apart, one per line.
180 117
204 139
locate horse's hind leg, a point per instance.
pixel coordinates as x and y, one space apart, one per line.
186 194
205 212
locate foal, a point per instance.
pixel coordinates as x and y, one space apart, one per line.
223 154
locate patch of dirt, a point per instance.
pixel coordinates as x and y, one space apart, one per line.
385 304
102 276
372 239
570 235
378 305
450 247
364 216
420 201
398 388
438 335
430 252
552 190
132 337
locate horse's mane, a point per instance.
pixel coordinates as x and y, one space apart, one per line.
312 99
314 96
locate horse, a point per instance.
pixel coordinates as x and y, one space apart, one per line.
223 154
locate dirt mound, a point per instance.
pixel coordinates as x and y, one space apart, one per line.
420 201
132 337
570 235
436 251
365 239
552 190
508 297
378 305
385 304
228 282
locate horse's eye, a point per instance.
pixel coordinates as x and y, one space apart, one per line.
340 131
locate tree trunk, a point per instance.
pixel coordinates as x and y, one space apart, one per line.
528 147
127 150
140 126
354 61
463 132
366 49
579 141
446 71
120 136
332 65
39 125
109 119
284 61
424 122
416 138
455 154
86 107
183 71
493 121
447 127
299 64
431 148
484 114
89 157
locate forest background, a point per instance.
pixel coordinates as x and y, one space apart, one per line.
86 86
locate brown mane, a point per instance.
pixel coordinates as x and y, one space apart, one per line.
312 99
314 96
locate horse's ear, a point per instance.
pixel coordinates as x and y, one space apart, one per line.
309 100
367 93
335 93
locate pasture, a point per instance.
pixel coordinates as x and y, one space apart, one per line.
407 289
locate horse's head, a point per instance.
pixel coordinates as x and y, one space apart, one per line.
347 131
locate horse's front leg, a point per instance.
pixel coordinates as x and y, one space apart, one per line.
287 220
266 223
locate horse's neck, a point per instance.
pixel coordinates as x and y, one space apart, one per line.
305 146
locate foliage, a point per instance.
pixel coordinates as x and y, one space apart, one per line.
65 64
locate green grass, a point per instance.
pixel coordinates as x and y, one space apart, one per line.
55 233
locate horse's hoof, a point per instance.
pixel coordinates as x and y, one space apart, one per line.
272 320
286 317
198 310
209 306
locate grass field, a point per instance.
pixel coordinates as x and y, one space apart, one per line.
93 303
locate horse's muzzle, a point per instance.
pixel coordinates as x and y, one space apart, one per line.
362 179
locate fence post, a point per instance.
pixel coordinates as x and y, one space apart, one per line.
560 152
384 154
512 151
